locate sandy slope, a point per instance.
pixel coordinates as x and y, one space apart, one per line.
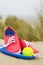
7 60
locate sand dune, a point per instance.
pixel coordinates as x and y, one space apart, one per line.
7 60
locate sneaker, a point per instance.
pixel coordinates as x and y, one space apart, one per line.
24 44
11 38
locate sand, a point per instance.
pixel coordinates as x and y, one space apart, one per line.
7 60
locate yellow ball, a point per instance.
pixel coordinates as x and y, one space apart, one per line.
27 51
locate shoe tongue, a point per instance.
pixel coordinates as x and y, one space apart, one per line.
10 32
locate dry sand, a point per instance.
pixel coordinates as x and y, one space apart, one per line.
7 60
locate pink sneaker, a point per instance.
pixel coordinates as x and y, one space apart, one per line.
11 38
24 43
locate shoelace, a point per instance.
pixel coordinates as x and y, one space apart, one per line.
11 39
27 43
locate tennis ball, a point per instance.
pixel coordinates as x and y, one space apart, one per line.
27 51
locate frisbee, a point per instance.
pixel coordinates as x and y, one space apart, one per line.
3 50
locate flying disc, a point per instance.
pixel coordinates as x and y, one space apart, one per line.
3 50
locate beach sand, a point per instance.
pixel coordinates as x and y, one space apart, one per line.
7 60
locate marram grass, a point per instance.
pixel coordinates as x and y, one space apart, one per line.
23 29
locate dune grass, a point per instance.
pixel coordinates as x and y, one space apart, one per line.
2 27
23 28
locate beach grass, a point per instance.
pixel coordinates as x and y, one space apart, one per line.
23 28
2 28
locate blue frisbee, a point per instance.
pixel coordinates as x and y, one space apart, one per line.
3 50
